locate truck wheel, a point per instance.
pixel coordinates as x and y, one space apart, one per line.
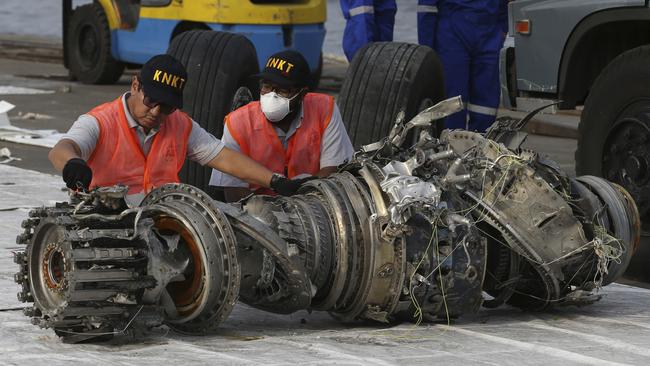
614 131
218 64
384 79
88 44
316 74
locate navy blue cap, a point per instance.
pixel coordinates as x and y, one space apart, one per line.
163 79
287 69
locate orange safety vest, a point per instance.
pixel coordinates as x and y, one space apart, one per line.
258 140
118 157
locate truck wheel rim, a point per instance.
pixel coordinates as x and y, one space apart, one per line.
626 157
88 46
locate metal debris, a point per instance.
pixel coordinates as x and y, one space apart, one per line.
400 233
5 156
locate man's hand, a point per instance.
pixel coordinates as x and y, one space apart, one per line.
77 174
287 187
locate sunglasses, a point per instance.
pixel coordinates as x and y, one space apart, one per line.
151 103
164 108
285 92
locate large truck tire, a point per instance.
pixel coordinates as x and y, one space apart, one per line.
614 131
316 74
384 79
218 64
614 137
88 47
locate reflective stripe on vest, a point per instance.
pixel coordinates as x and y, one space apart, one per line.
258 140
119 159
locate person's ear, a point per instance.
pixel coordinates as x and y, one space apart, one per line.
135 84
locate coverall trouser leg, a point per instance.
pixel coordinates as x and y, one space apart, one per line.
468 47
455 59
366 21
484 89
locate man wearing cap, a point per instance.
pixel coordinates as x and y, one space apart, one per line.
290 131
141 140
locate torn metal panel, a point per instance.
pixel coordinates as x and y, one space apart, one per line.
402 233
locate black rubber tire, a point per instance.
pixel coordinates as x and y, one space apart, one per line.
316 74
383 79
621 92
88 44
217 63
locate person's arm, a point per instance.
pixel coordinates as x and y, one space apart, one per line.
336 147
326 171
208 150
234 189
78 143
62 152
242 167
69 155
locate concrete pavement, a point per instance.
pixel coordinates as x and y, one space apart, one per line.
612 331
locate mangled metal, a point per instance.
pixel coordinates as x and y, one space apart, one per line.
427 231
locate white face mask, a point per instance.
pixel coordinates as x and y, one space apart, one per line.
274 106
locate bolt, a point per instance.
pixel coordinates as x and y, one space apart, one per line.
37 212
19 257
19 277
636 167
28 311
23 238
627 134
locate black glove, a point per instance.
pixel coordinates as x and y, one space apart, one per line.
77 174
287 187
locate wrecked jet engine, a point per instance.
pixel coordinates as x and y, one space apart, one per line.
416 232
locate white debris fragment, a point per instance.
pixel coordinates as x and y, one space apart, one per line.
15 90
32 115
5 156
122 299
4 108
8 132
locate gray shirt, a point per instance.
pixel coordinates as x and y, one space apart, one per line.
202 147
335 150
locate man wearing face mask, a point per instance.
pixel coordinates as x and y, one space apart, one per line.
294 133
141 140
